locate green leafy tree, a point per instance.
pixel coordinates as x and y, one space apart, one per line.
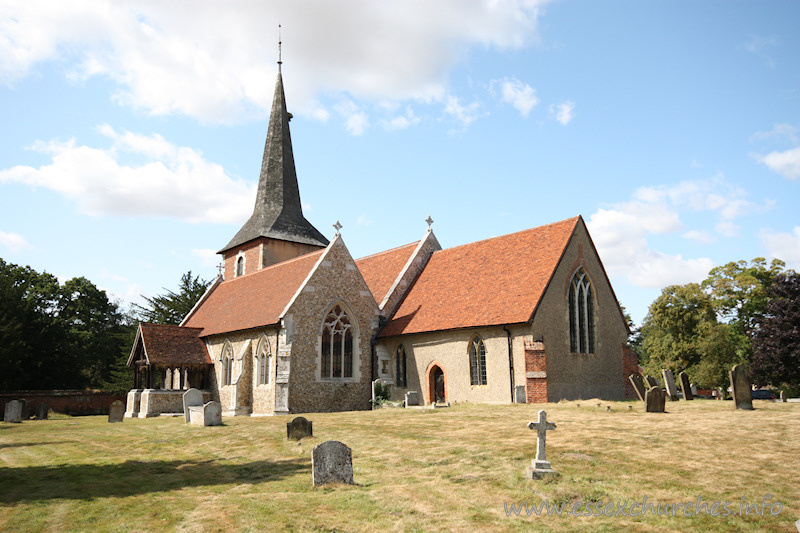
172 307
776 344
681 333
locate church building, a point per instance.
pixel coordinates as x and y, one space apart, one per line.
295 324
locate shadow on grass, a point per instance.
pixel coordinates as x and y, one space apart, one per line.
26 444
85 482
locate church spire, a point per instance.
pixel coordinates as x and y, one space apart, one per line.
277 213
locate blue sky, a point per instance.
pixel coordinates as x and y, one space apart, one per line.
133 132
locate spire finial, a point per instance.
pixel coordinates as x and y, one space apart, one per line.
429 220
280 62
337 227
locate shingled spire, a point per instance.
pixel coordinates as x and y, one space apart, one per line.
278 213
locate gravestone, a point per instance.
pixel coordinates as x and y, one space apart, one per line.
686 387
24 414
740 384
41 411
540 466
191 397
669 384
209 414
650 381
13 412
116 411
299 428
654 400
412 398
331 462
638 384
783 396
693 388
519 394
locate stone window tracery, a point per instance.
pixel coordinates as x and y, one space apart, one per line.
336 359
400 378
581 314
477 362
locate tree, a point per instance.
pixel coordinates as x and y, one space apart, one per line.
776 343
172 307
681 333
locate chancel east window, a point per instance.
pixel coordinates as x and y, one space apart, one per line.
581 314
400 367
477 362
336 359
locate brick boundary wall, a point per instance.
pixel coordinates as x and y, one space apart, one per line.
630 365
535 372
70 402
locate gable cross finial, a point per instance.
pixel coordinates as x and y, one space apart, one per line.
220 266
429 220
337 227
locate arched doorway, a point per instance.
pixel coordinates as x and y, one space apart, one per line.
437 392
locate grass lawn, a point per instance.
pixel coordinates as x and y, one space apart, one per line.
452 469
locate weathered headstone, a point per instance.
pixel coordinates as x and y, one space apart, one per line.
693 388
783 396
654 400
740 384
191 397
686 387
209 414
540 466
638 384
331 462
669 384
412 398
41 411
299 428
116 412
13 412
24 414
519 394
650 381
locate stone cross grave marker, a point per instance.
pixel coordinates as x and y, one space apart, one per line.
669 384
116 411
13 412
686 387
331 462
190 398
740 384
654 400
298 428
412 398
638 384
650 381
540 466
41 411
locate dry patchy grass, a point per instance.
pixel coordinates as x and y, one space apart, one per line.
416 470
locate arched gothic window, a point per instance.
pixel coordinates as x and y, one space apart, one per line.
477 362
400 367
581 314
262 363
227 365
336 359
240 266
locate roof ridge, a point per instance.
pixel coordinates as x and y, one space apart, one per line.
276 265
396 248
575 219
153 324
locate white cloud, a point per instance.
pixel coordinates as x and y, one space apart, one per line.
356 120
166 180
209 62
563 113
782 245
464 114
787 163
14 242
520 95
208 257
621 232
401 122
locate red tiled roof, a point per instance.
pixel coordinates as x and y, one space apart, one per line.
168 344
253 300
491 282
381 270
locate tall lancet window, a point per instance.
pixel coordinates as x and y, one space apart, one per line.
477 362
262 362
400 367
336 359
240 265
581 314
